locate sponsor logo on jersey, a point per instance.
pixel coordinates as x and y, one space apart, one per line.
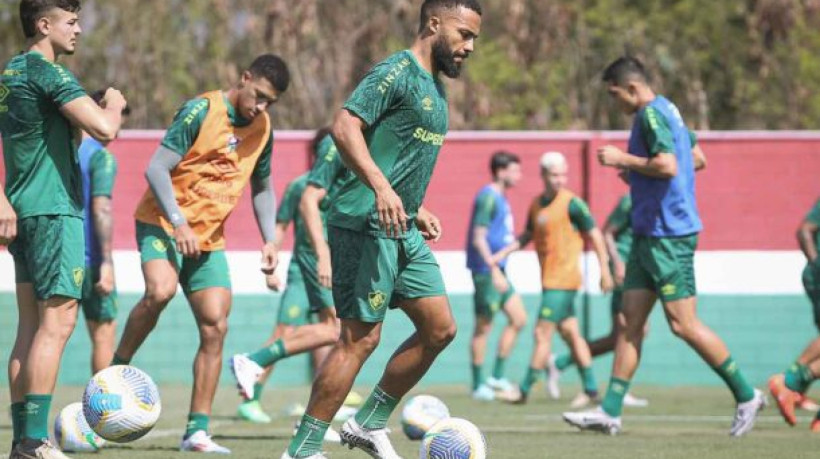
376 299
4 94
428 137
394 72
427 104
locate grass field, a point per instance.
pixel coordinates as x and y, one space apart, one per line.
679 423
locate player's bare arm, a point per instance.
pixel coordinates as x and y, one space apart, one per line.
429 225
480 243
663 165
600 248
699 158
347 134
805 237
104 229
101 122
8 220
309 209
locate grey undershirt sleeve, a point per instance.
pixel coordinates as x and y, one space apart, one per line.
158 175
264 207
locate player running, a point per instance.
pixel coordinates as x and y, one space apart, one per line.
556 223
661 162
491 229
389 134
216 144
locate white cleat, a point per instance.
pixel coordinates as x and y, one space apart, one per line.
582 400
596 420
635 402
484 393
331 435
746 414
554 374
374 442
201 442
285 455
500 385
246 372
344 413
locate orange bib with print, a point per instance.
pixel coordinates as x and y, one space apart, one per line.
558 244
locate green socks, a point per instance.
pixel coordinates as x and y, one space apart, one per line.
120 361
18 421
35 423
798 377
477 378
376 409
257 391
308 438
563 362
498 369
588 379
613 403
733 377
269 355
531 378
196 422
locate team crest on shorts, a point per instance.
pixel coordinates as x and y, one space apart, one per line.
376 299
78 273
293 311
159 245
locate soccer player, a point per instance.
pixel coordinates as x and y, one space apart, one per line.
389 134
217 143
42 110
789 387
491 229
618 238
99 303
661 161
556 222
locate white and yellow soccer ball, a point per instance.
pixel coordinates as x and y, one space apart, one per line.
73 434
453 438
420 413
121 403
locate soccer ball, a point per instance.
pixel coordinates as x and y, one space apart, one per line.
420 413
453 438
72 432
121 403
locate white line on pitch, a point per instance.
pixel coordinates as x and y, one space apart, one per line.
673 418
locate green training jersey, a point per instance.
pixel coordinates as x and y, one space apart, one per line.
328 172
814 217
39 145
620 221
289 212
405 110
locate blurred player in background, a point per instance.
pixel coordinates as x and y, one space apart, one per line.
217 143
491 229
43 110
789 388
661 161
557 222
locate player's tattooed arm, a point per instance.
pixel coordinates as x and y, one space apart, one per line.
104 229
8 220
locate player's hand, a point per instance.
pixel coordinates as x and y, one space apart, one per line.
499 280
113 98
392 218
187 241
324 270
8 221
270 257
619 273
106 283
610 156
606 281
273 282
429 225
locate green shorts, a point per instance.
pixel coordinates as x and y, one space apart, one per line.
319 297
371 273
294 308
208 271
49 252
616 303
97 308
663 265
811 282
557 305
487 300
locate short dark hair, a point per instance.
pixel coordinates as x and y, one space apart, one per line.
272 68
501 160
432 7
320 135
98 96
32 10
624 69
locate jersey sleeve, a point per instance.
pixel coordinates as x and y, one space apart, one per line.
327 167
619 218
56 82
103 168
814 214
380 90
289 205
580 215
184 130
263 164
656 132
484 209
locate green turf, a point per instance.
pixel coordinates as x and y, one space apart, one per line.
680 423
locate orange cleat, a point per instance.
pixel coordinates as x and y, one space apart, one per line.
815 425
786 398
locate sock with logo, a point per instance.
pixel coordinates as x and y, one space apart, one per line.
376 409
36 408
307 441
613 403
269 355
196 422
733 377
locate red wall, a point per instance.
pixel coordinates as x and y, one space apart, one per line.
754 192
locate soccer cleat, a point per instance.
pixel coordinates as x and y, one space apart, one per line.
596 420
635 402
246 372
374 442
37 449
553 375
786 398
746 414
285 455
583 400
201 442
484 393
516 397
252 411
330 435
499 385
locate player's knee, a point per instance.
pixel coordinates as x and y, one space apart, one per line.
683 329
213 333
518 322
158 296
441 337
59 329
